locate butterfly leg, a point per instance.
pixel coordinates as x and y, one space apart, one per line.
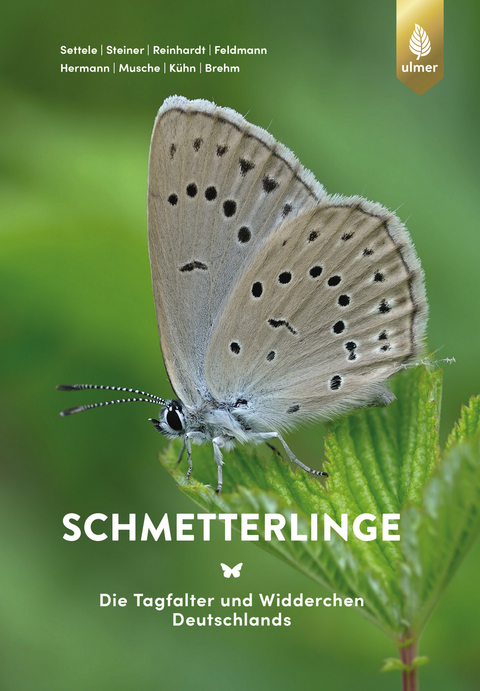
181 451
275 450
217 454
291 455
188 446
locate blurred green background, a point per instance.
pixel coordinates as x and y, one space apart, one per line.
76 305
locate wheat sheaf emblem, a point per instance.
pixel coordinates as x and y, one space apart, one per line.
419 42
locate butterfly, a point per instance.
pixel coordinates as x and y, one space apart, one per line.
276 304
234 571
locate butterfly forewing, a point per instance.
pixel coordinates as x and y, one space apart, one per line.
331 305
218 187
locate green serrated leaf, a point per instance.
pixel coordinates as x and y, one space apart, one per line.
468 424
416 421
333 564
437 535
379 461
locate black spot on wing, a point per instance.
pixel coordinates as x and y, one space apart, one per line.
257 289
351 346
229 207
210 194
276 323
293 409
194 265
285 277
336 382
384 307
244 234
269 184
245 166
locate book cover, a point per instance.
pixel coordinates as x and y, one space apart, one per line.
111 576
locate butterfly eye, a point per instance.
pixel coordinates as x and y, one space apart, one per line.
174 419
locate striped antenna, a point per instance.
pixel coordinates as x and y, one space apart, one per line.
152 398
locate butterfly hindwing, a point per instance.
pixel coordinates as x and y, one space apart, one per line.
330 307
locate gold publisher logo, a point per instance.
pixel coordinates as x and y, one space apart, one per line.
420 34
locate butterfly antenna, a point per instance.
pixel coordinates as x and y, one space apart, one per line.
152 398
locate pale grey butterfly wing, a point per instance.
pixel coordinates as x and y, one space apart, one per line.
275 303
332 304
217 187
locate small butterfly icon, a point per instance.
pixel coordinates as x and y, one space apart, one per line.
235 571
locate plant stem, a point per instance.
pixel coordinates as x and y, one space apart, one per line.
409 677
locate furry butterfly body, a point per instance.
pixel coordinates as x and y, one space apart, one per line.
276 304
